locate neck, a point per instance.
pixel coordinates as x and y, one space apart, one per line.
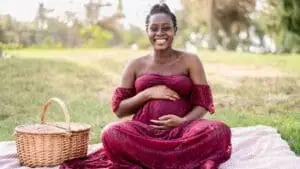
162 56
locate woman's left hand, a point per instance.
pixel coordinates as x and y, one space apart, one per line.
167 122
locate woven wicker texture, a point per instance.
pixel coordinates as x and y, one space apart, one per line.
49 144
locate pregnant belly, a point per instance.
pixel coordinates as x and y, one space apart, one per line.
156 108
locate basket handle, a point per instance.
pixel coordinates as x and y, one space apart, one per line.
62 105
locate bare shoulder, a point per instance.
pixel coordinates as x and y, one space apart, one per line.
195 68
190 58
135 64
130 72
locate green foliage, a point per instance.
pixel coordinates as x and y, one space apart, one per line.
1 34
290 11
291 42
270 18
10 46
215 16
49 43
95 36
184 30
135 35
281 20
290 15
131 35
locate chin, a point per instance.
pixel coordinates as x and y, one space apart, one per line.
161 47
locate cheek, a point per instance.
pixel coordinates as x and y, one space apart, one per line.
171 35
150 35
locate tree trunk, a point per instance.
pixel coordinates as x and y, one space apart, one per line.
212 44
1 53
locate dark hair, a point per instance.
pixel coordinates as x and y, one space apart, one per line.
161 8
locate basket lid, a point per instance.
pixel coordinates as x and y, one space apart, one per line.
52 128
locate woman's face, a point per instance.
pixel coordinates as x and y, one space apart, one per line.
161 31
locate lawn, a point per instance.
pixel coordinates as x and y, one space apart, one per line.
248 89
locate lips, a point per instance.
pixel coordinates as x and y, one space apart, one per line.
160 41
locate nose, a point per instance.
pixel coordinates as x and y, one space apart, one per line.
160 32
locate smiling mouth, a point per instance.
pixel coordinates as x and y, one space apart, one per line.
160 41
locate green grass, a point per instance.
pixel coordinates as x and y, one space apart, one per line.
85 79
286 62
27 83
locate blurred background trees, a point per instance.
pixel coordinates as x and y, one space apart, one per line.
237 25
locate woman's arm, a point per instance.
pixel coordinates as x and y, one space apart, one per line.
130 105
196 113
198 76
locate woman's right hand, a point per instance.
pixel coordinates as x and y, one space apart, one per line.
161 92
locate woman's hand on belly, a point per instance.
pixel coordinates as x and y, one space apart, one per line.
161 92
167 122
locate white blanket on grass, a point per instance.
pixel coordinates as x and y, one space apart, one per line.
255 147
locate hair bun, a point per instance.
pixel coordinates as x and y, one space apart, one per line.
165 6
160 7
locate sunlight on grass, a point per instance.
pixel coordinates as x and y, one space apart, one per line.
288 62
248 89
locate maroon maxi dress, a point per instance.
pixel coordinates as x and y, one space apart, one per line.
133 144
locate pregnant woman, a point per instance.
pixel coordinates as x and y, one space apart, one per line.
167 93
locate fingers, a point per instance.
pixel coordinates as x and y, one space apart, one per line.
163 92
167 121
159 122
171 94
173 98
169 97
166 117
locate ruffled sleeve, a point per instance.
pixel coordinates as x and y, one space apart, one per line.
120 94
202 96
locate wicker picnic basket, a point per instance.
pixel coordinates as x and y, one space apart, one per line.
49 144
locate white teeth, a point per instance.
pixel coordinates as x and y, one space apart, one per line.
160 41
